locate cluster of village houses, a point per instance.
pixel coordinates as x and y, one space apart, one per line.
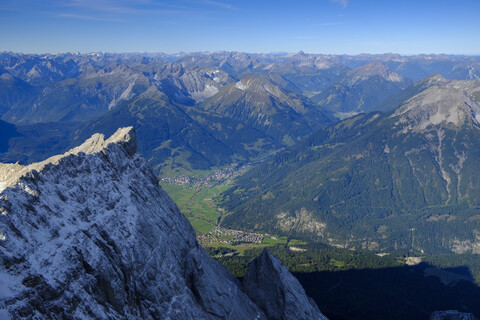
222 235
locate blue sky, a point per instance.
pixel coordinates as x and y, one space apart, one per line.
314 26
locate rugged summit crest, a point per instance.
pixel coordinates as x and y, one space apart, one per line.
125 138
90 234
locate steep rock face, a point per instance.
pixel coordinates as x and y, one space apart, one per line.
276 291
91 234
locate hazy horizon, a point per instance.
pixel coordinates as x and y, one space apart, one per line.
246 52
348 27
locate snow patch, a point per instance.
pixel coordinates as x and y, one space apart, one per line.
215 78
240 85
268 67
266 89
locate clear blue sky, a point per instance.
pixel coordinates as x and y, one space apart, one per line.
314 26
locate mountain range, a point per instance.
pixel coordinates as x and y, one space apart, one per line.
410 162
371 180
362 90
366 152
288 96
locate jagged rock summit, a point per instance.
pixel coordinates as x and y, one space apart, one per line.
91 235
125 137
276 291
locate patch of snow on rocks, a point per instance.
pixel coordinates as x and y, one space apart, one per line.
240 85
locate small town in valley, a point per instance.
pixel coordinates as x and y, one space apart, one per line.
222 235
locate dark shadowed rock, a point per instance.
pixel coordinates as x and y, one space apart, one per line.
276 291
451 315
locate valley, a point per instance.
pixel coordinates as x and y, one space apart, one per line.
239 160
353 170
349 151
197 198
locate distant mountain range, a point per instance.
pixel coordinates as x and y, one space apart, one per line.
404 179
200 110
362 90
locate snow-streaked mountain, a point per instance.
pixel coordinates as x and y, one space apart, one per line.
190 84
91 235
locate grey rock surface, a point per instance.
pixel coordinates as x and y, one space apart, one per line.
91 235
276 291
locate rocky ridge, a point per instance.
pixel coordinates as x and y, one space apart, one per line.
91 234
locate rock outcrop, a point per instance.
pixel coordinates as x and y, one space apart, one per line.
276 291
91 235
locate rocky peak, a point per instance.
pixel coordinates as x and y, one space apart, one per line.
265 85
276 291
91 235
371 70
444 102
124 138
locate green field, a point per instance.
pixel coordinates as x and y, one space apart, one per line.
197 204
240 248
274 240
201 226
295 242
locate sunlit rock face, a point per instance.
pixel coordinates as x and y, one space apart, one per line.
91 235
